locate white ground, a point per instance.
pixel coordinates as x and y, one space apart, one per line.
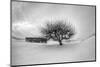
34 53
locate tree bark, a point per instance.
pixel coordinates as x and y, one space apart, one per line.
60 43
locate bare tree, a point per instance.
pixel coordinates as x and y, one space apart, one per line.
58 31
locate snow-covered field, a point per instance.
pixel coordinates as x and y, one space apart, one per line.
24 53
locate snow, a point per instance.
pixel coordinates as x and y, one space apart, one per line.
37 53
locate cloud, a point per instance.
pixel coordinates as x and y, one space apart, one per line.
25 29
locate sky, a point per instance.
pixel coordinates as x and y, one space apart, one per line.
28 18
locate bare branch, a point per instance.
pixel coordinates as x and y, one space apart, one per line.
58 30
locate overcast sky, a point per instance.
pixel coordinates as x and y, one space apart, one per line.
27 17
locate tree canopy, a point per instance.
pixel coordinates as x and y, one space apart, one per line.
58 31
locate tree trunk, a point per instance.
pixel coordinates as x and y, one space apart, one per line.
60 43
